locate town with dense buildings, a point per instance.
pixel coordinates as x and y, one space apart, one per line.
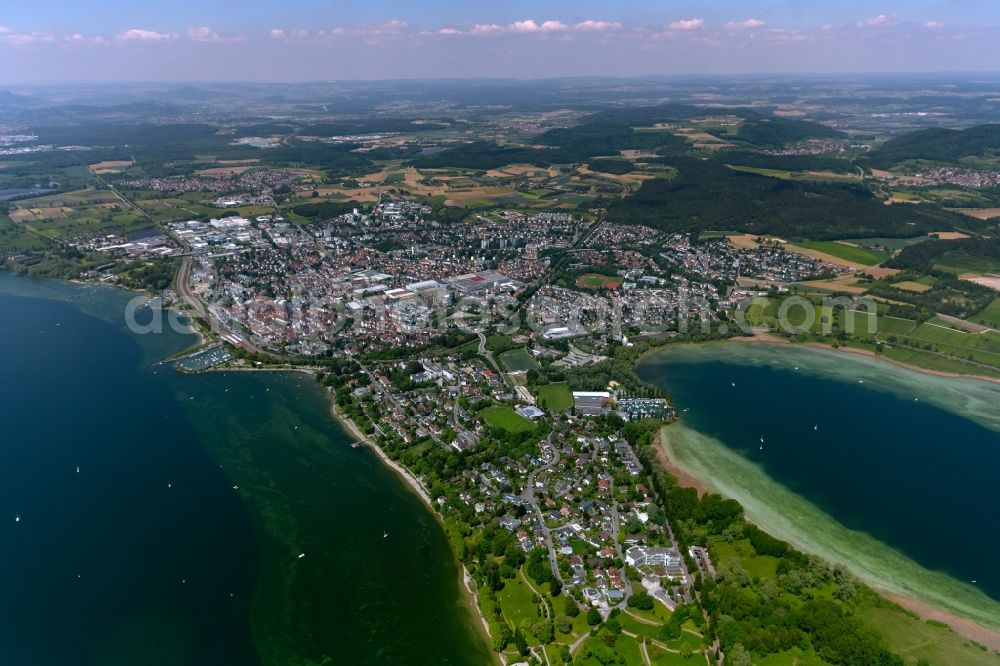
474 293
475 340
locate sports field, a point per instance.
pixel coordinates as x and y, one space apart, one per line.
505 418
555 397
597 281
518 359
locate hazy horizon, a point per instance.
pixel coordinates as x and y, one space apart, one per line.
307 40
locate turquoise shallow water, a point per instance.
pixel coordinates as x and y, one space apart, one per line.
149 555
888 471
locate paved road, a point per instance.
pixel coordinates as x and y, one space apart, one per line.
529 495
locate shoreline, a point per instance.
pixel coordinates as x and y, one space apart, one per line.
762 337
960 625
469 591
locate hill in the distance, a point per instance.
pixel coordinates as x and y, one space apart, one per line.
939 145
708 195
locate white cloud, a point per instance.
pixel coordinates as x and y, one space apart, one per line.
933 24
280 33
77 38
530 26
140 35
449 31
205 34
749 24
687 24
486 29
878 21
8 36
597 26
524 26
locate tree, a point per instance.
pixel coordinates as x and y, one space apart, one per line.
739 656
520 643
555 587
570 607
641 600
593 617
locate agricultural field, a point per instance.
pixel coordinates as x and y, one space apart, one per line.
847 251
555 397
887 243
912 285
80 213
517 360
505 418
15 239
597 281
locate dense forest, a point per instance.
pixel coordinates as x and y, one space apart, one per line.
938 144
707 195
776 132
922 257
485 155
582 142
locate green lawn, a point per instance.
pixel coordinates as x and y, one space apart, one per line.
914 639
518 604
858 255
501 416
990 315
518 359
555 397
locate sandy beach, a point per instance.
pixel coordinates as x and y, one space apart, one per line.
960 625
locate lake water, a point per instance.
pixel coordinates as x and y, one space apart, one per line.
149 555
887 471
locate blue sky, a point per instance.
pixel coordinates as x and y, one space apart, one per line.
287 40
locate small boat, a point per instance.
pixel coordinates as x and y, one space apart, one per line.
301 555
77 469
762 439
385 535
236 487
733 383
815 427
355 445
17 518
